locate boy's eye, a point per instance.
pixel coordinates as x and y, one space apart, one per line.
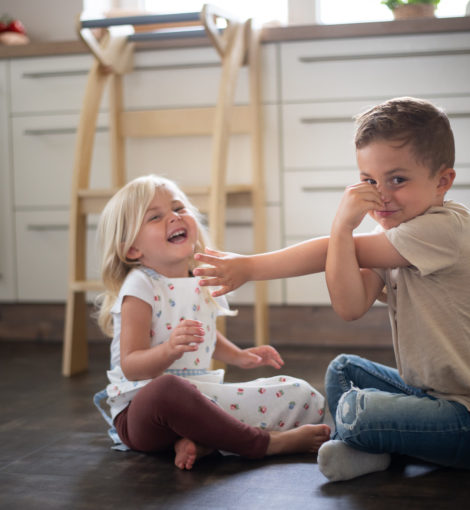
398 180
370 181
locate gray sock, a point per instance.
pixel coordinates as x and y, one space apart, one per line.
338 461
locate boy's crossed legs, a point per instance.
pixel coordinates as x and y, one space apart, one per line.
377 413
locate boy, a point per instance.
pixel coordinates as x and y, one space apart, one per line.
420 251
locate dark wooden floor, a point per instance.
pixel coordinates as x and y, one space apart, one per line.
54 452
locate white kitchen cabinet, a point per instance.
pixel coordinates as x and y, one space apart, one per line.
42 254
44 149
49 84
311 91
324 84
7 249
187 159
375 67
46 102
190 77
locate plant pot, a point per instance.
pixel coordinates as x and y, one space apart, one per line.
414 11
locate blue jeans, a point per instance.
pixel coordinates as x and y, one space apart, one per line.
376 411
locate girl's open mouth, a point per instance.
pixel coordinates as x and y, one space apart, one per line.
178 236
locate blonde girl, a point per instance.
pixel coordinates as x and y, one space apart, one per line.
161 391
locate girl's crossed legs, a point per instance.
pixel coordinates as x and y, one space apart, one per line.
171 412
375 411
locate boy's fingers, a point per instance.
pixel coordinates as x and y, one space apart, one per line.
220 292
208 259
205 271
213 252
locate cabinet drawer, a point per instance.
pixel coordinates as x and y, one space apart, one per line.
187 159
190 77
320 135
380 67
311 200
307 290
43 156
239 239
42 255
49 84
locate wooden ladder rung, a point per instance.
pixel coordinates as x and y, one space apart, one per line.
182 122
92 201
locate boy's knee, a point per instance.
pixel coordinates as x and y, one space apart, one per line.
337 367
340 362
358 411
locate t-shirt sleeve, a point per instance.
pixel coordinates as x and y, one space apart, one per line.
430 242
136 284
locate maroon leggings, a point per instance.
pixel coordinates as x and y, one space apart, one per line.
170 407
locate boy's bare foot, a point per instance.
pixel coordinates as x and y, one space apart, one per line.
304 439
187 452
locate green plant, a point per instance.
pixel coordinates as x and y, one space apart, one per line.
393 4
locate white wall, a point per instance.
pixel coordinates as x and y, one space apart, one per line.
45 20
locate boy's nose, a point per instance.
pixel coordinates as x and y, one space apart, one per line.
384 193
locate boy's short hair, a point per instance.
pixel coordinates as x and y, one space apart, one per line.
411 121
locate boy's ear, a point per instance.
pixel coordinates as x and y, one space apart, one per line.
446 179
133 253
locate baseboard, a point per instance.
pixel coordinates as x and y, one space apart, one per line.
288 325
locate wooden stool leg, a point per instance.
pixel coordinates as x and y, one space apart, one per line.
75 351
75 357
259 207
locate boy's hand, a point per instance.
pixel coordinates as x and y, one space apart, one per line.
264 355
358 200
228 271
185 338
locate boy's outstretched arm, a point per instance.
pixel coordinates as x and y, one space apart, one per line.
229 270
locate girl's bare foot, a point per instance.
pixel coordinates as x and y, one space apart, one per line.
304 439
187 452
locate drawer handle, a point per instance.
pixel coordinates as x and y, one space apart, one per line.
317 189
54 74
239 223
323 120
59 131
54 227
169 67
368 56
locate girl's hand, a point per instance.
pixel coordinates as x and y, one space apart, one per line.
358 200
186 337
265 355
228 270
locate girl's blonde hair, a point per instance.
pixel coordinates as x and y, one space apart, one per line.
118 227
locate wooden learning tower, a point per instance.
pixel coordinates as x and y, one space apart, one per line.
237 45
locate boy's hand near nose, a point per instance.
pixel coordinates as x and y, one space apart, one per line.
358 199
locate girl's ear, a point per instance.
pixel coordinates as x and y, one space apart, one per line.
446 179
133 253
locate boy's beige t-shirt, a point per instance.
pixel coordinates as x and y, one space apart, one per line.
429 301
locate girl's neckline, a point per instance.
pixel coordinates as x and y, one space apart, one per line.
157 276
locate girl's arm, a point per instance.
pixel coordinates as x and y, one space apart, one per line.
138 359
229 353
353 288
